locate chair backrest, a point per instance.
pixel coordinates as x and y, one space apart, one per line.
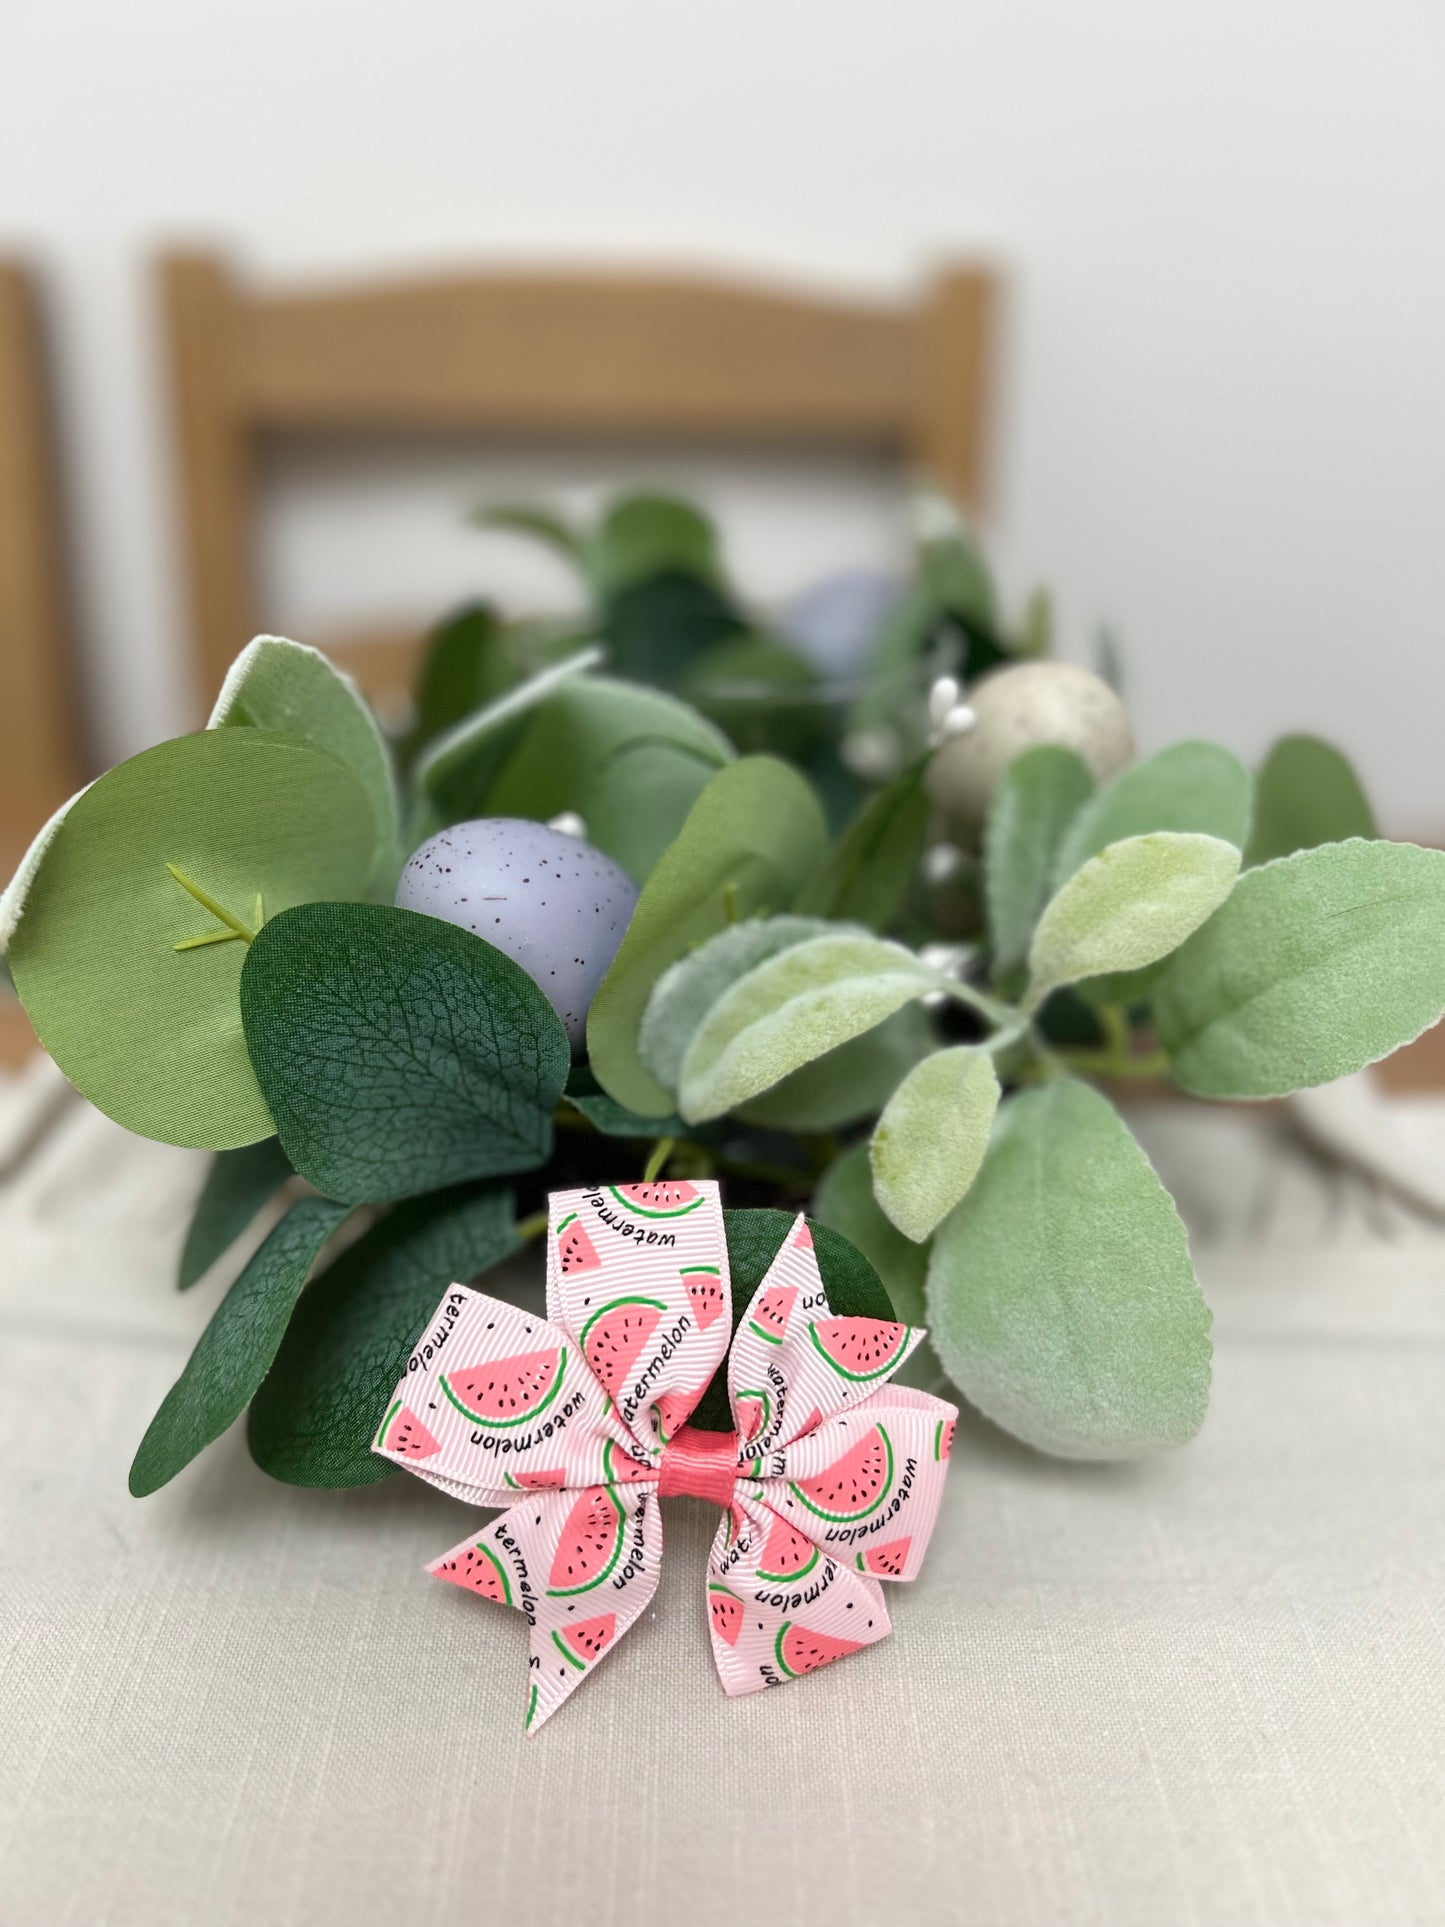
547 355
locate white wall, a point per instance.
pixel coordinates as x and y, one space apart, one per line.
1224 415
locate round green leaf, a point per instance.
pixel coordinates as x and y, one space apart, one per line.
1061 1298
149 1033
1306 794
1190 787
929 1142
1041 793
1318 964
399 1053
750 840
1127 907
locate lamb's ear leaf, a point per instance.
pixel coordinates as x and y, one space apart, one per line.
235 1351
1194 788
1127 907
1041 793
399 1053
255 820
1306 794
844 1201
749 841
871 868
237 1185
281 685
930 1141
754 1238
646 535
851 1082
1061 1298
314 1418
792 1009
1316 965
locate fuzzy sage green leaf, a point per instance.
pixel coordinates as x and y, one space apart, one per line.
1306 794
929 1142
845 1201
1318 964
1127 907
235 1351
237 1185
1196 788
399 1053
1041 793
790 1010
1061 1298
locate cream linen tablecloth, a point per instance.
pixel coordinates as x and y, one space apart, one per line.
1205 1689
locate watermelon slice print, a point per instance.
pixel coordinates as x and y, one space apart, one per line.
798 1651
403 1432
619 1468
787 1555
579 1645
727 1613
770 1319
661 1200
755 1413
575 1250
509 1391
803 1237
885 1562
703 1284
551 1481
590 1545
860 1349
613 1338
672 1412
854 1485
478 1569
943 1437
531 1706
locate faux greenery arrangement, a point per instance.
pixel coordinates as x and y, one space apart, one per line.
875 961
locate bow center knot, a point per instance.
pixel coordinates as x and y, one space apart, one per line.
699 1465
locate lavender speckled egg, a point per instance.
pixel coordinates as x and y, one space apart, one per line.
551 902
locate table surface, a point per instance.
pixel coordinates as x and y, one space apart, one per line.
1202 1689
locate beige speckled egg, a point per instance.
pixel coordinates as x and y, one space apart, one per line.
1017 709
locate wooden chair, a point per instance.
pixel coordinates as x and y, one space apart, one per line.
546 355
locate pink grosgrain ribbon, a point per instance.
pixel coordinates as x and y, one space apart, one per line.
576 1423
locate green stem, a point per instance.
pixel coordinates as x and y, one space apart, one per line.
527 1229
730 902
1116 1063
661 1152
1001 1016
207 902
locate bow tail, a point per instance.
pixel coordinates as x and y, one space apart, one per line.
779 1607
582 1565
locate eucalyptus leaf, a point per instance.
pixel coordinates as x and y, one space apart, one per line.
587 1097
314 1418
748 842
791 1009
464 666
848 1083
279 685
643 535
1127 907
1041 793
871 868
542 524
754 1238
1194 788
237 1185
457 768
928 1144
1060 1294
1318 964
845 1202
1306 794
659 627
17 890
235 1351
399 1053
149 1033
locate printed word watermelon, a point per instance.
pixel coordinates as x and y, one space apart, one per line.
787 1555
854 1485
591 1543
575 1250
579 1645
661 1200
860 1348
402 1432
703 1284
770 1318
480 1571
755 1413
885 1562
613 1338
727 1613
510 1391
799 1651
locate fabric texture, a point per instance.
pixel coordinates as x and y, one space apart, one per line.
1203 1689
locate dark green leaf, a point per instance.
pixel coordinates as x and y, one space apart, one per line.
313 1421
235 1350
870 870
643 535
545 526
754 1238
237 1185
399 1053
658 627
463 666
1306 794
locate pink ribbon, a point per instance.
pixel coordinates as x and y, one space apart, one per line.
577 1423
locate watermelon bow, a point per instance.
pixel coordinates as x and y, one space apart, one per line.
829 1482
